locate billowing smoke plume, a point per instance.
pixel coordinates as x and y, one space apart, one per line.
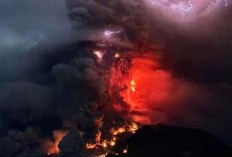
193 39
68 98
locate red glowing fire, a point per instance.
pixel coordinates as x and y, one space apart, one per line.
142 85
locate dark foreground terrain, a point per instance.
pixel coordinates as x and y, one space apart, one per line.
165 141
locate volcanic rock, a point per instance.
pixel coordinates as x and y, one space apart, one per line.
167 141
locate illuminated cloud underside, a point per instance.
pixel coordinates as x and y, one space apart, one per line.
186 10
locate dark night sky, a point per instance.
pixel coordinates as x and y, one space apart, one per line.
40 78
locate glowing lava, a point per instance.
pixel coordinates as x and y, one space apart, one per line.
109 143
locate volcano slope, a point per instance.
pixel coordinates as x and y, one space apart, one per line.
166 141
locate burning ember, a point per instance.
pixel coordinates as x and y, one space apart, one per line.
115 132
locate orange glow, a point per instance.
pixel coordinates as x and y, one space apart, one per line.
112 143
58 136
90 146
104 144
133 128
121 130
109 143
117 131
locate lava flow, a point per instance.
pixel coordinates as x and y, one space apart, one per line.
115 132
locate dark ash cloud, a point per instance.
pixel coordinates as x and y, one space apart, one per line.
46 81
196 51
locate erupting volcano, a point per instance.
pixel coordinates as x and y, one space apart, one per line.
137 86
126 78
